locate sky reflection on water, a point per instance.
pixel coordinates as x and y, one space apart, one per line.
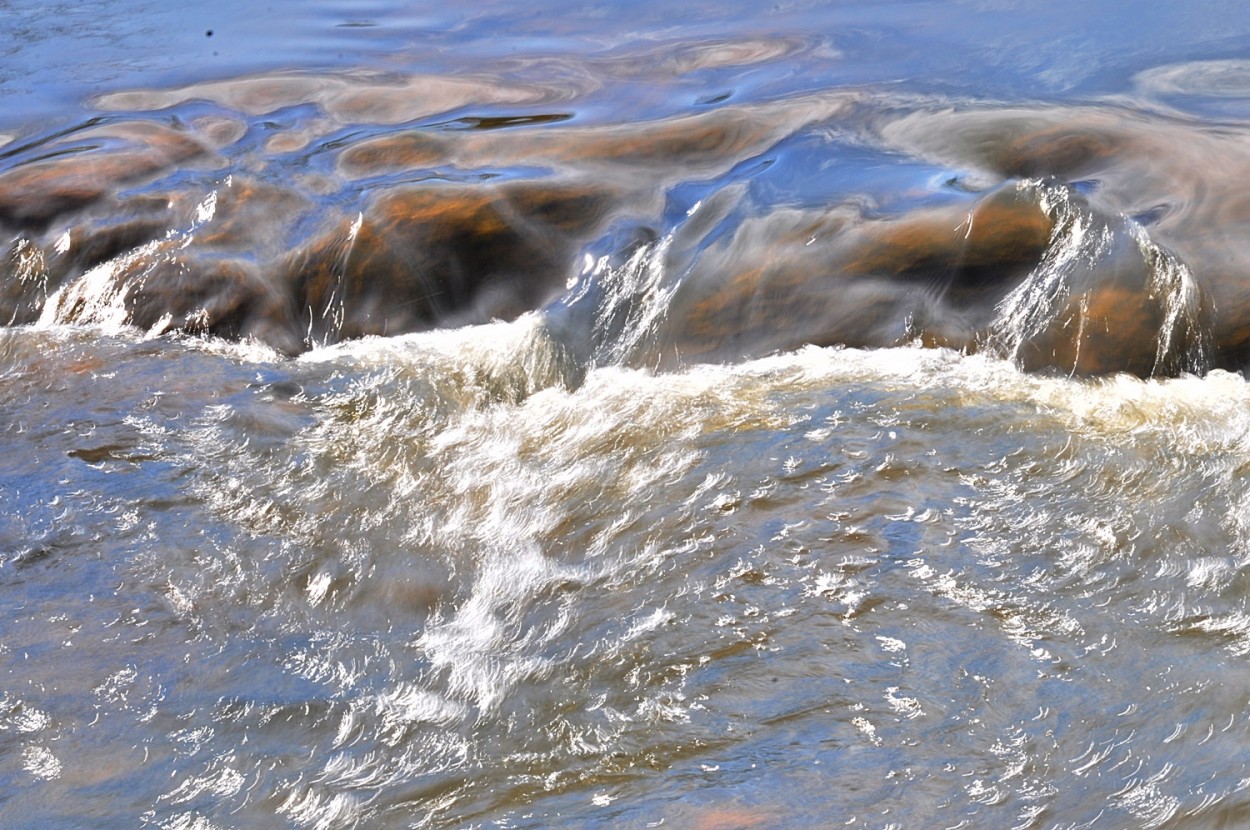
60 56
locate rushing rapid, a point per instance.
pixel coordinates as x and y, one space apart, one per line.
428 582
827 416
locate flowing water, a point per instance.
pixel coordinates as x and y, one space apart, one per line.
576 566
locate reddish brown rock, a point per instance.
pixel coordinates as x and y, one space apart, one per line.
1105 330
386 154
443 254
97 163
1001 231
316 224
649 153
798 277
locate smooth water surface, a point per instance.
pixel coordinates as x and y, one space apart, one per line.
58 56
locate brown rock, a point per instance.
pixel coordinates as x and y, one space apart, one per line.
443 254
222 297
1001 231
81 173
1104 330
389 153
642 154
797 277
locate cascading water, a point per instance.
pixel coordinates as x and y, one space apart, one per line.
1184 342
656 513
1084 250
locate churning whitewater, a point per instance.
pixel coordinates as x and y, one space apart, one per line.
473 591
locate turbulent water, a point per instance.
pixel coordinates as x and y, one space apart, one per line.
882 553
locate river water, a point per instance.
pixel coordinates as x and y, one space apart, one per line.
567 564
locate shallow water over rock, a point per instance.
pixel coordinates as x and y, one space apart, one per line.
582 416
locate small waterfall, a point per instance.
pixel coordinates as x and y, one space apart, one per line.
1076 245
99 297
29 268
1085 250
617 308
102 296
616 304
1184 343
633 303
333 312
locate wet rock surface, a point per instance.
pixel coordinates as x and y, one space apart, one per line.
301 210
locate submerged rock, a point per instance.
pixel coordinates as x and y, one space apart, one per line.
436 255
306 209
95 163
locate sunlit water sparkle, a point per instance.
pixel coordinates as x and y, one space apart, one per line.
426 582
497 577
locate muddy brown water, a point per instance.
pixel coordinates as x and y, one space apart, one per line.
599 416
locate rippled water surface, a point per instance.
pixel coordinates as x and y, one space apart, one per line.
604 553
